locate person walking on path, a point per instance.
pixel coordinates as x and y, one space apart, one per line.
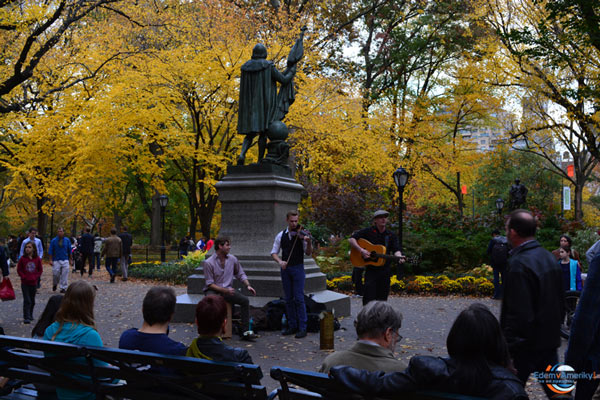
293 248
13 249
533 303
592 251
32 238
87 251
583 351
97 250
61 259
29 269
4 259
127 242
498 252
566 241
571 271
219 271
112 251
377 279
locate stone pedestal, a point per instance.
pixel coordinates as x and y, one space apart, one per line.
254 202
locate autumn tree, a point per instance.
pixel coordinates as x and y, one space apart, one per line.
33 33
540 133
541 53
443 153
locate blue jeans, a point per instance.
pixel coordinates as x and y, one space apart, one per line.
292 278
97 262
28 300
498 281
111 265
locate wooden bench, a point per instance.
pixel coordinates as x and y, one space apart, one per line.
321 386
124 373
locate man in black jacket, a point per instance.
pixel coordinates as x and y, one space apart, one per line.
533 299
127 241
87 251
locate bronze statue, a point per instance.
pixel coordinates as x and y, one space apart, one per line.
518 195
262 107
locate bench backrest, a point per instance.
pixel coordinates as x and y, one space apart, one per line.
322 386
133 374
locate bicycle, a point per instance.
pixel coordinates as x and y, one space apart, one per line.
571 300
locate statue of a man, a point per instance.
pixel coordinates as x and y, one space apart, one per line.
518 195
259 105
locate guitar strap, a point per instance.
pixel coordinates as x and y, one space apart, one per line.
387 241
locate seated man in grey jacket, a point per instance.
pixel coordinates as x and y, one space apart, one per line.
377 326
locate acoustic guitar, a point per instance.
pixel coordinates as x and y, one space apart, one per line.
377 257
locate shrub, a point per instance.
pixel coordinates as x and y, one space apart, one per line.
396 285
484 271
468 284
342 283
170 272
440 284
194 259
485 288
424 284
452 286
582 241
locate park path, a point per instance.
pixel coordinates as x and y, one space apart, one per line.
427 321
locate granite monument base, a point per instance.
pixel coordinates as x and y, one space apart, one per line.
254 202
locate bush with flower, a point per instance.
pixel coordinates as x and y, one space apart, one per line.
440 285
194 258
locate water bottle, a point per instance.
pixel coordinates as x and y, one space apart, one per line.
250 327
283 322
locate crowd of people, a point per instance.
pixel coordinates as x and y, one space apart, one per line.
65 255
487 357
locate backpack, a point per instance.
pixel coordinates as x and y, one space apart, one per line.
274 311
499 256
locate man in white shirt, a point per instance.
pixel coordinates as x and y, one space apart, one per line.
32 238
294 244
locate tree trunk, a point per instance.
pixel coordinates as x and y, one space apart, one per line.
155 222
459 195
579 200
42 220
118 221
74 227
206 216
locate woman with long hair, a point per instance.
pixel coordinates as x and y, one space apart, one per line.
563 242
75 324
48 316
29 269
479 364
46 319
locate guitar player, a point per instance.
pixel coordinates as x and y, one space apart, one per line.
377 279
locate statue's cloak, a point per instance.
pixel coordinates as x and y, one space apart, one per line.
258 96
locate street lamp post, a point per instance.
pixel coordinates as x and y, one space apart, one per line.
400 178
163 200
499 205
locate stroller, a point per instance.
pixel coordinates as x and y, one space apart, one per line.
78 260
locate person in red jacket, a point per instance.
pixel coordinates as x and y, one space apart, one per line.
29 269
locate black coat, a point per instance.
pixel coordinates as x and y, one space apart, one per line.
533 300
426 373
127 241
87 243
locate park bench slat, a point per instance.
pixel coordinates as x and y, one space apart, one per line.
322 386
139 374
